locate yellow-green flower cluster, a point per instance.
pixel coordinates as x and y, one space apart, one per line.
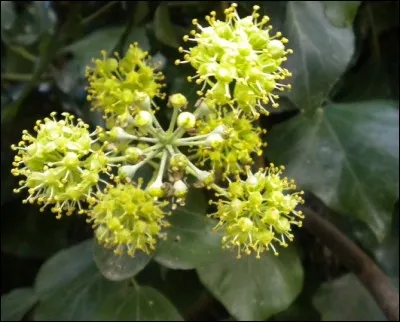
59 164
127 218
238 61
259 212
119 87
229 149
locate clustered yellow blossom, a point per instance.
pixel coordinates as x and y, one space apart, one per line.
59 164
259 212
238 61
229 149
127 218
118 87
238 65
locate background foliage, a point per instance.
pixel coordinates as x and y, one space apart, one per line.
336 131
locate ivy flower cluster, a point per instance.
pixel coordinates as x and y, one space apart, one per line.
238 65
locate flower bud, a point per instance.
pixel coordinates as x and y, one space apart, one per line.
186 120
133 154
180 189
127 171
276 48
205 177
178 101
144 101
178 162
214 140
143 118
156 189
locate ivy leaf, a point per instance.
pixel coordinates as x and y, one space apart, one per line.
190 239
17 303
254 289
163 27
137 304
8 15
90 46
28 233
118 267
71 288
347 155
322 52
341 14
376 76
346 299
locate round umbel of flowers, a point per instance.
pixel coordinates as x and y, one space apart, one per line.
231 144
59 165
259 212
127 218
238 61
120 87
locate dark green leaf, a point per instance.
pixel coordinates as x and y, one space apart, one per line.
62 268
7 14
378 17
90 46
322 52
190 239
17 303
28 233
163 28
141 11
254 289
345 299
376 76
341 14
137 304
346 154
118 267
71 288
138 35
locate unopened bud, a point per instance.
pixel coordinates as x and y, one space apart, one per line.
180 189
178 101
214 140
186 120
143 118
156 189
133 154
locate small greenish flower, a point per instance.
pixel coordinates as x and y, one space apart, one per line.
238 61
120 87
127 218
235 140
178 101
258 212
186 120
59 164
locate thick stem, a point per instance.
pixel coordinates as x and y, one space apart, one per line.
369 274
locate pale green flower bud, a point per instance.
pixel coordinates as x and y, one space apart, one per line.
186 120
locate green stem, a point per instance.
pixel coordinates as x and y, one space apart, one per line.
94 15
127 136
117 159
218 189
180 143
193 138
162 165
173 120
23 53
135 284
180 131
